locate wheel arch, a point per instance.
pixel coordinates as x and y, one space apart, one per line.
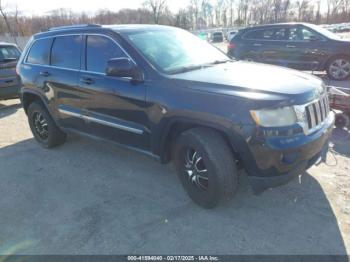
179 125
29 96
332 57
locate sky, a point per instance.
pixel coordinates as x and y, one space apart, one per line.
40 7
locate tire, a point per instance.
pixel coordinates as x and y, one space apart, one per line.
208 151
44 129
338 67
341 120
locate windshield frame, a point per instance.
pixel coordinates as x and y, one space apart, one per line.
324 32
125 35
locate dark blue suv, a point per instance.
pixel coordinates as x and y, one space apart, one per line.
296 45
150 88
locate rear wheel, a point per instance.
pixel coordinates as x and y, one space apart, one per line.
205 167
338 68
44 129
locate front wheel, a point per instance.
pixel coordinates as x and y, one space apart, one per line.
338 68
205 166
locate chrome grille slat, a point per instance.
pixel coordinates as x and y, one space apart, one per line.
317 112
327 105
323 112
312 115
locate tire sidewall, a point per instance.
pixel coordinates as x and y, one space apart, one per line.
212 195
329 64
36 108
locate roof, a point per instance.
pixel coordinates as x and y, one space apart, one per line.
276 24
90 28
136 27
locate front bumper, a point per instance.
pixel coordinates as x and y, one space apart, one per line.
278 160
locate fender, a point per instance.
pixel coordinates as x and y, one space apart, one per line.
43 99
176 125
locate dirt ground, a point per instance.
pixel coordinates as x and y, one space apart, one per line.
89 197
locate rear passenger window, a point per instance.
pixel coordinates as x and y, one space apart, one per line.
40 52
65 52
99 50
280 34
267 34
259 34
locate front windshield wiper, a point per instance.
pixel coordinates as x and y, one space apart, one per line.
188 68
216 62
185 69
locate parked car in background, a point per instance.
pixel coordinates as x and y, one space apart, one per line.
216 37
164 92
296 45
202 35
9 80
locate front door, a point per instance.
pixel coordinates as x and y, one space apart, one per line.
305 48
114 107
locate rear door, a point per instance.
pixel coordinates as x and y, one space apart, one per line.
265 45
62 78
114 107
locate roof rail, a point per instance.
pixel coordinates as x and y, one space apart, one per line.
73 26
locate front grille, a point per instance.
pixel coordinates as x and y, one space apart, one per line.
317 112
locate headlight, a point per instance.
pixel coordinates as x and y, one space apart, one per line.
284 116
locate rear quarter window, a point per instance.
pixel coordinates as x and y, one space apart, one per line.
39 53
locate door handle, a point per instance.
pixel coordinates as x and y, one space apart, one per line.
87 80
290 46
44 73
257 44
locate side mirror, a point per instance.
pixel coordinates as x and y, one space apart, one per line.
123 67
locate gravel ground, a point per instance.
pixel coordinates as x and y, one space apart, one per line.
89 197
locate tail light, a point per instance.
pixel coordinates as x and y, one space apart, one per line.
231 46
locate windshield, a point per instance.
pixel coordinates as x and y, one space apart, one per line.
324 31
174 50
9 53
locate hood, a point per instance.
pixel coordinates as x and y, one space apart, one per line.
255 81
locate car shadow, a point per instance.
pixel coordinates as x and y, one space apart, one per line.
89 197
6 110
340 141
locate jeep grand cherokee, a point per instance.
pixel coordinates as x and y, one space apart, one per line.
164 92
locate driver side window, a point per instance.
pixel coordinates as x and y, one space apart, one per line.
308 35
99 50
302 34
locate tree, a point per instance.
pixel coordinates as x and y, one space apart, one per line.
5 17
157 7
